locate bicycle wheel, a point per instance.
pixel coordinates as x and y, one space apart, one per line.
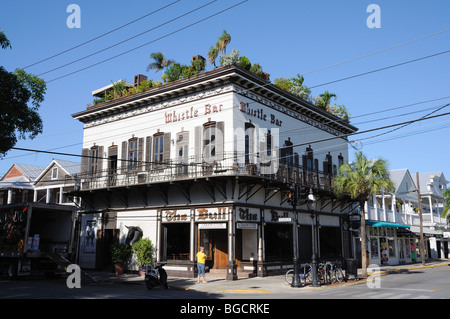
289 275
339 275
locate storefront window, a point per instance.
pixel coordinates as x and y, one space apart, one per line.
391 247
373 247
177 241
384 251
407 248
278 241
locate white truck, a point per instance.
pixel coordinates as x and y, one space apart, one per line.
36 238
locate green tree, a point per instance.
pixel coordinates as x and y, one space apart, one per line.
174 72
220 46
212 55
325 100
446 195
18 119
294 86
159 62
360 180
223 41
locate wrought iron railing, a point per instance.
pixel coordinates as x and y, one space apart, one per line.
150 173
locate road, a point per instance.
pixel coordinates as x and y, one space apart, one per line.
429 283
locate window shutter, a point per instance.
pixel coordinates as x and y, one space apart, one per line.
123 161
166 148
198 144
100 158
148 152
220 138
140 154
84 160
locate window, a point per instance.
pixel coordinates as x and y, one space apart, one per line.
158 149
249 143
132 154
93 160
54 172
209 140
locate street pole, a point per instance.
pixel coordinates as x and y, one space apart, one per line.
293 201
312 206
422 240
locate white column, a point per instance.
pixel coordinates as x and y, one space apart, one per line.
10 195
431 209
47 200
60 195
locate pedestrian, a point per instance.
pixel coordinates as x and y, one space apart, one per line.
201 265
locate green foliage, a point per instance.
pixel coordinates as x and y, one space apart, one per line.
446 195
143 249
174 72
363 178
244 63
294 86
120 254
159 62
4 42
18 120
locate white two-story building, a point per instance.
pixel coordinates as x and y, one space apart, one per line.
207 161
393 220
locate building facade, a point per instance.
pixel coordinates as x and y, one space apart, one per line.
207 161
394 220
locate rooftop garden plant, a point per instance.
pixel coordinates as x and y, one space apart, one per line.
173 71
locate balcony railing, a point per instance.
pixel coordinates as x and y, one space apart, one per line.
404 217
176 171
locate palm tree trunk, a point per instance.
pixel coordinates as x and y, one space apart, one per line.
363 241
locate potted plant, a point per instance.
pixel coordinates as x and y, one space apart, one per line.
120 254
143 250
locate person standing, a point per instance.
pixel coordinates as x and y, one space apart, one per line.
201 265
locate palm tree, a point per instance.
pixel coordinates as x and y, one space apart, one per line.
220 46
445 212
223 41
212 55
326 98
160 62
361 180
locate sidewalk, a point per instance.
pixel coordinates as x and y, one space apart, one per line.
267 285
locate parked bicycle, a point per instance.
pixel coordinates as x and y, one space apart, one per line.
305 275
334 272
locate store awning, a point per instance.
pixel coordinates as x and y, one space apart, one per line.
377 223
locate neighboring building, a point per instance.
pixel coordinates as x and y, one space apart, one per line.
37 218
207 161
393 220
16 186
28 183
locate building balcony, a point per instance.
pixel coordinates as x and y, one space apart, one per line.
406 217
230 167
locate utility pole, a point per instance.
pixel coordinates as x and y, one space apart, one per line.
422 241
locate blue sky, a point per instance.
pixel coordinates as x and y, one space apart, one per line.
287 37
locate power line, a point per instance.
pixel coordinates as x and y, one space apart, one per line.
102 35
376 52
128 39
294 145
381 69
145 44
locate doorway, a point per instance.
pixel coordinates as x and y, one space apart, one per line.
216 247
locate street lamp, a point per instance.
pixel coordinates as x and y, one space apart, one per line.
312 207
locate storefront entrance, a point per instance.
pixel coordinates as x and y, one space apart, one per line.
216 247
